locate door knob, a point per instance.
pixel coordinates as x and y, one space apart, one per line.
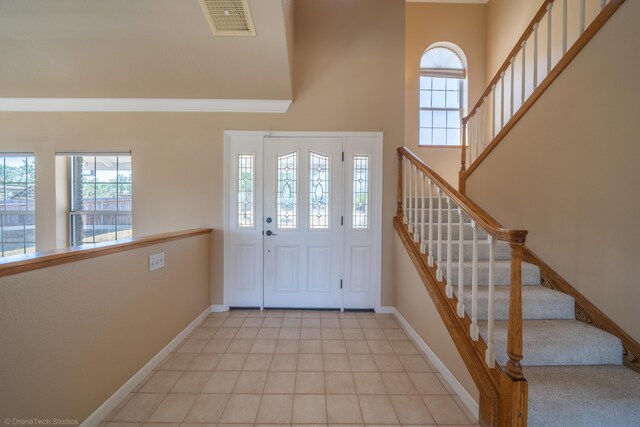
271 233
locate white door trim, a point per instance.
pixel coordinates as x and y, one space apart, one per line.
376 189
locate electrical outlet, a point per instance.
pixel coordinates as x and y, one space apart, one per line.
156 261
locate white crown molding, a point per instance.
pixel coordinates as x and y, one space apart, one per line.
449 1
145 105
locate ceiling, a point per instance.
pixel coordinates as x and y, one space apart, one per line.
140 49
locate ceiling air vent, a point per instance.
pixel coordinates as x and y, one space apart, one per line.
228 17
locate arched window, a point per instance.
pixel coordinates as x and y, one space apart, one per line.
442 85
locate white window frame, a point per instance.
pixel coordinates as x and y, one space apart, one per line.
460 75
25 212
75 210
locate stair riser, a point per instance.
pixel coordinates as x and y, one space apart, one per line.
503 252
455 231
455 217
531 310
530 275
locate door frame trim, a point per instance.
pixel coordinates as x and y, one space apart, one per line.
376 188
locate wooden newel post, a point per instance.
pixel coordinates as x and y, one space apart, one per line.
463 155
513 386
514 339
399 210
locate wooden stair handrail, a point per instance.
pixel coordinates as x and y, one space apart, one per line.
507 63
481 217
605 14
510 409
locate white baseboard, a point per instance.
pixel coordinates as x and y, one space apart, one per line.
467 399
386 309
219 308
112 402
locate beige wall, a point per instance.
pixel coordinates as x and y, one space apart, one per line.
506 22
73 334
568 172
348 76
428 23
415 305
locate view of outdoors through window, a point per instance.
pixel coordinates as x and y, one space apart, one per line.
17 204
100 198
440 110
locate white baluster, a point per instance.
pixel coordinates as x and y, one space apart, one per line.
493 111
524 72
564 25
603 3
423 246
430 250
502 100
485 104
512 97
439 269
460 264
449 288
409 195
489 353
416 229
405 202
549 31
474 283
469 140
477 117
535 55
582 16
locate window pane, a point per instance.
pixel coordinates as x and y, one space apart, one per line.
453 99
425 99
123 227
16 196
439 137
318 191
439 83
100 183
106 168
88 195
360 209
453 119
453 137
439 99
246 191
426 119
425 82
287 197
453 84
17 201
439 119
425 136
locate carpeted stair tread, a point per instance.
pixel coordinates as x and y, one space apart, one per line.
558 342
530 273
538 302
585 396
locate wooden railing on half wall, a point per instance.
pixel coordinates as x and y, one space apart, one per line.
424 200
527 73
23 263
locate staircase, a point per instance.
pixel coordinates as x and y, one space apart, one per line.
574 371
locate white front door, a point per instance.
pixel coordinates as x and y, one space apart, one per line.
302 222
302 219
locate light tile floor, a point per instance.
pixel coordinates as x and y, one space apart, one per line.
293 367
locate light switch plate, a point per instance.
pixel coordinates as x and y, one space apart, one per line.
156 261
